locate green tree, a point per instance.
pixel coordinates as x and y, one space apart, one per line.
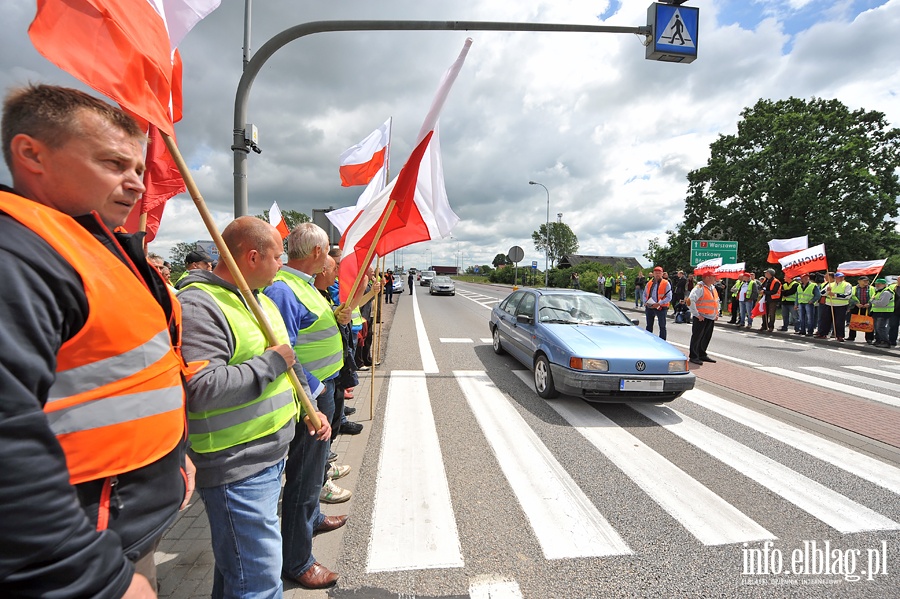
563 241
499 260
795 167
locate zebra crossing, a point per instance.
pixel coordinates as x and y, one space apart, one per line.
414 525
486 301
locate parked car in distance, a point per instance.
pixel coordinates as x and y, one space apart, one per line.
581 344
399 282
426 277
442 285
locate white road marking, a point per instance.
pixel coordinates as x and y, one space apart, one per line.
494 587
850 460
834 386
704 514
866 380
832 508
161 557
481 300
486 340
565 522
885 373
718 355
429 364
454 340
413 526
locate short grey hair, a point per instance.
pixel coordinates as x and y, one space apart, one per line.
304 239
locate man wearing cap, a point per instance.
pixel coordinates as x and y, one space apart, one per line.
837 297
704 307
789 304
195 260
861 303
808 295
659 296
771 288
883 302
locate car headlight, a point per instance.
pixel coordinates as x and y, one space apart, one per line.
588 364
678 366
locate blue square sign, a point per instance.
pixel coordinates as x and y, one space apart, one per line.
674 37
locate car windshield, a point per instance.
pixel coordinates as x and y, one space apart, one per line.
442 280
584 308
428 273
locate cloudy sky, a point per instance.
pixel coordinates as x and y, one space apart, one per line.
610 134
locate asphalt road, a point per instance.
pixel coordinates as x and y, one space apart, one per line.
473 486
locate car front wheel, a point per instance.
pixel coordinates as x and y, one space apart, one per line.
495 336
543 379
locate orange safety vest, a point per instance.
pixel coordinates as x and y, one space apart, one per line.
775 294
708 305
660 291
117 403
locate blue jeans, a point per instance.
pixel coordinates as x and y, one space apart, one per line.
246 540
638 297
746 311
653 314
789 316
300 513
807 318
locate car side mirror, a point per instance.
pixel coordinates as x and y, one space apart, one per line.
635 321
524 319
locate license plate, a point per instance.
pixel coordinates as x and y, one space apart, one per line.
641 385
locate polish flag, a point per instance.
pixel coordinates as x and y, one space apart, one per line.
361 163
277 220
421 209
779 248
759 308
342 217
731 271
126 49
707 267
861 267
804 262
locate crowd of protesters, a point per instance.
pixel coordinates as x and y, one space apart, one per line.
123 392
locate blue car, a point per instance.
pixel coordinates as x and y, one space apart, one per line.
579 343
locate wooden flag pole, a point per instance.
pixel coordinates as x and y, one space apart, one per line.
380 313
225 255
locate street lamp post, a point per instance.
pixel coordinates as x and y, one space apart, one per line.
547 235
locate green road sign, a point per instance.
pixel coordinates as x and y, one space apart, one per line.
704 249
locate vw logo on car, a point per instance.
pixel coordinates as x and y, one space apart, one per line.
640 365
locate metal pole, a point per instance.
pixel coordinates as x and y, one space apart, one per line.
242 97
248 8
546 235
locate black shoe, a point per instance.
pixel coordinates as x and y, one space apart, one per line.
331 456
349 410
784 329
350 428
707 359
695 361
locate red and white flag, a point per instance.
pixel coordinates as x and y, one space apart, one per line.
126 50
422 209
779 248
361 163
861 267
342 217
276 219
759 308
731 271
707 267
804 262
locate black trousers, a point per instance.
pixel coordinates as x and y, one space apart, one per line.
701 334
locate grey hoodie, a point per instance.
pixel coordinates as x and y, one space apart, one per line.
207 336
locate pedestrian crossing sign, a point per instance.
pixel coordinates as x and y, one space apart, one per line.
674 32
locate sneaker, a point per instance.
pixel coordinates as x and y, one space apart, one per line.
349 410
363 368
331 456
348 393
336 471
350 428
331 493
